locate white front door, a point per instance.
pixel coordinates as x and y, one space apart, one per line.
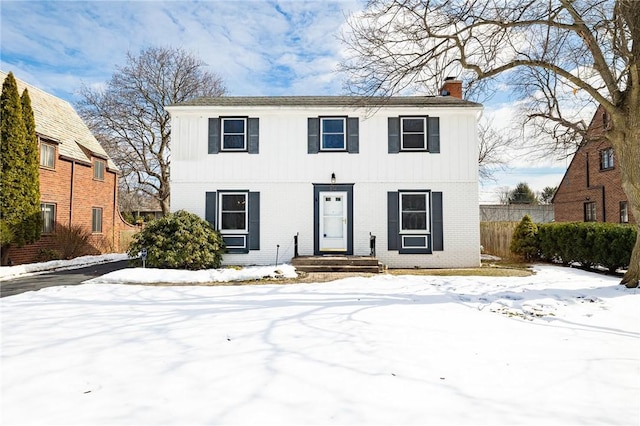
333 221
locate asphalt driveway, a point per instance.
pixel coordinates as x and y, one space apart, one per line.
58 278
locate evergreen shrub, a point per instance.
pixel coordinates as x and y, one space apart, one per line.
525 239
180 240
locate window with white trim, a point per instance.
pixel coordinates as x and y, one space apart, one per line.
606 159
413 134
234 134
48 211
233 217
332 134
96 220
47 155
414 212
624 212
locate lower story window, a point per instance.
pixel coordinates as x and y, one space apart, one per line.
96 220
590 211
624 212
48 212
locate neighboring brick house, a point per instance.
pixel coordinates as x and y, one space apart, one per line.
78 180
333 171
591 189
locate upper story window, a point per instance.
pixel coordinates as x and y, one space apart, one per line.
411 134
234 134
606 159
414 134
47 155
332 134
98 169
590 211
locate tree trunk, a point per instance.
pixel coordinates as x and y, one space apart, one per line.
627 148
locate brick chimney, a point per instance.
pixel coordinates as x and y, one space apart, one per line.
452 87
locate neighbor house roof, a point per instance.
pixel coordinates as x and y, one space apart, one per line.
57 121
331 101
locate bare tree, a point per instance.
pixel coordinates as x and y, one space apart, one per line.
129 118
560 54
492 150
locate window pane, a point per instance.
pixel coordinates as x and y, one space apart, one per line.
333 126
47 154
413 125
233 142
414 202
233 126
414 221
96 222
332 141
233 202
48 217
233 221
413 141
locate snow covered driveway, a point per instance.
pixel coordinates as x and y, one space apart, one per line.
560 347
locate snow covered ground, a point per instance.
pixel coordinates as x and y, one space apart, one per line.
560 347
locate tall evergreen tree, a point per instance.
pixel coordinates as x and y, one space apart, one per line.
522 194
33 217
15 197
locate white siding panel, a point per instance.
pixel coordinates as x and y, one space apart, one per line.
283 172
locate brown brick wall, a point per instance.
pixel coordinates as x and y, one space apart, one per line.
56 188
585 182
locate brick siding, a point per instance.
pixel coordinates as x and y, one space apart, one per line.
76 208
585 182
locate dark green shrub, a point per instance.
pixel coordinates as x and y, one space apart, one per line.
180 240
605 244
525 239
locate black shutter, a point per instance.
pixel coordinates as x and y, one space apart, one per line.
437 233
394 135
253 132
313 135
393 230
210 208
254 221
214 135
433 137
353 139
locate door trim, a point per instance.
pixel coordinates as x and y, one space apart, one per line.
322 187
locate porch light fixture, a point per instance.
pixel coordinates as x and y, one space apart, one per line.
333 178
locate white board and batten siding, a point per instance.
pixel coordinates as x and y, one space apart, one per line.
284 173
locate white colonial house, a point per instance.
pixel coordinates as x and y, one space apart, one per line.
322 175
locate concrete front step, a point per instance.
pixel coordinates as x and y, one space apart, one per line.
364 264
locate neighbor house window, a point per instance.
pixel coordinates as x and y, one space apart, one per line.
47 155
413 135
48 212
332 134
98 169
624 212
590 212
606 159
234 134
96 220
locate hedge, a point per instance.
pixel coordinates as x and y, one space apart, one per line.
588 243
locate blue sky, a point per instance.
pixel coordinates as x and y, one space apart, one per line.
266 47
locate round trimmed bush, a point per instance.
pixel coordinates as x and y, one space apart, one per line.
180 240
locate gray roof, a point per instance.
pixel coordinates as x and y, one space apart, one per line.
331 101
57 120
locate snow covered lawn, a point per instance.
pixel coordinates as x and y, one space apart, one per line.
560 347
